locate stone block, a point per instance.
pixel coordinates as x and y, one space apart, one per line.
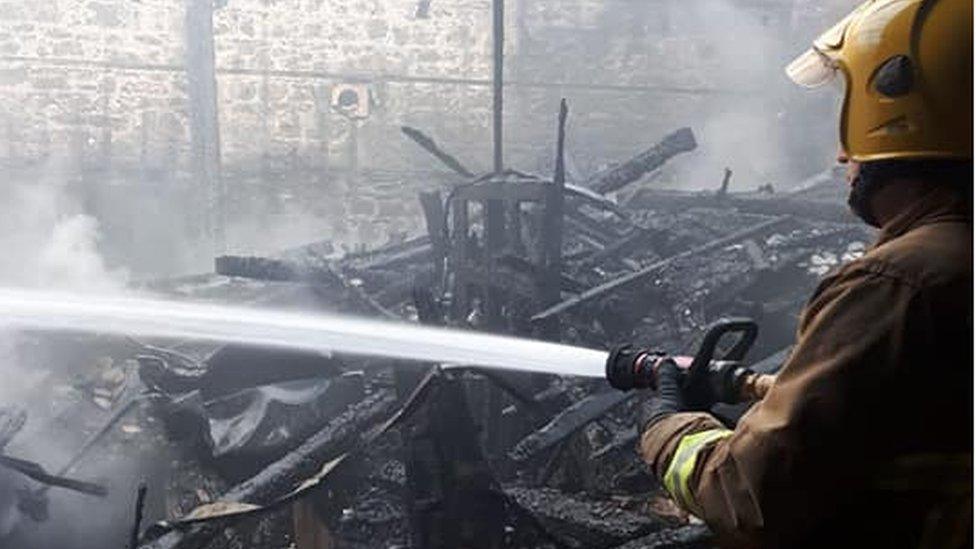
106 15
362 206
11 76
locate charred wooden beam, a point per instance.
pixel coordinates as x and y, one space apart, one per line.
552 232
37 472
628 279
590 227
282 476
428 144
433 208
454 499
723 189
389 249
410 256
322 274
579 522
460 223
618 177
621 439
265 268
137 519
622 246
568 422
752 203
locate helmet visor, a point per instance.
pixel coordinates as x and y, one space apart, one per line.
812 69
818 65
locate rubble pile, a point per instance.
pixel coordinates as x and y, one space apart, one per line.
272 448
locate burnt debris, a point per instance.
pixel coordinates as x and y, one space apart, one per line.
353 452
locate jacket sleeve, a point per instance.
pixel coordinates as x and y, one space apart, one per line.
803 446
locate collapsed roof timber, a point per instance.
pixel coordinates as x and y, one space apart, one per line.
264 447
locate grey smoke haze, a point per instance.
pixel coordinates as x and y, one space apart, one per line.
97 190
290 162
49 241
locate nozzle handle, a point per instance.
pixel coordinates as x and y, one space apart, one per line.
747 330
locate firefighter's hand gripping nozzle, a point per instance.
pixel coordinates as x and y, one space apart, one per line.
706 380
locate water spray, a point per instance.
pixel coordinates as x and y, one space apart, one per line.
726 377
314 332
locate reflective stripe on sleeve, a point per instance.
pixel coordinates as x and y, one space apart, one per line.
683 464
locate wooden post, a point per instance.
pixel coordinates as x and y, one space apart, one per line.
434 215
552 241
459 253
204 123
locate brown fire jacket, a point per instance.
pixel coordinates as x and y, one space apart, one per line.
866 435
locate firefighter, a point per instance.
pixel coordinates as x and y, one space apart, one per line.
865 437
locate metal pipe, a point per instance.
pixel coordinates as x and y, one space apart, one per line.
498 40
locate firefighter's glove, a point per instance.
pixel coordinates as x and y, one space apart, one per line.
666 400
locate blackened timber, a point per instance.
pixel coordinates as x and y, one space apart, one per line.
552 239
723 189
621 439
338 435
495 244
677 142
498 277
322 275
433 208
459 255
751 203
513 227
567 422
455 499
95 437
264 268
331 440
580 522
626 280
389 249
409 256
590 227
137 519
620 247
35 471
430 146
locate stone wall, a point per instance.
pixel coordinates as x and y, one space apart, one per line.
98 88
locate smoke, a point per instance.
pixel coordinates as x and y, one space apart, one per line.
47 241
762 127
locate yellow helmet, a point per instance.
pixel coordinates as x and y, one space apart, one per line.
908 66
